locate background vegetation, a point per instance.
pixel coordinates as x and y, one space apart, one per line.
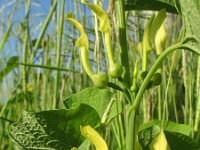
39 69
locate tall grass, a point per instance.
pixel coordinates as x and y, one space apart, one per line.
51 46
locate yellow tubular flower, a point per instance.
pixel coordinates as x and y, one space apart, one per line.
159 142
160 39
146 45
100 80
82 43
94 137
115 69
158 33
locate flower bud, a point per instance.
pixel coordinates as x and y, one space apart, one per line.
100 80
116 71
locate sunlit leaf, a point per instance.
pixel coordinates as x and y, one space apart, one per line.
11 64
190 13
54 129
6 36
94 97
177 135
170 5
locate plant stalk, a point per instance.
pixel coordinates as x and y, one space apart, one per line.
58 59
156 65
123 41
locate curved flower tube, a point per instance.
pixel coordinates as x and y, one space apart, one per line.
160 38
146 46
94 137
115 70
100 80
154 31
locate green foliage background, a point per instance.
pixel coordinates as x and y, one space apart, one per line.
44 83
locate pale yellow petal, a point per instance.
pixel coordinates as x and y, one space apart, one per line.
146 45
94 137
160 38
82 41
160 142
101 15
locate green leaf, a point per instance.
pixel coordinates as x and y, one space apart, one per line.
6 36
169 126
54 129
11 64
190 12
180 141
176 134
151 5
19 98
146 136
41 45
48 67
14 104
94 97
85 145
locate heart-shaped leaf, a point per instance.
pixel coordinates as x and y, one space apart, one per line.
54 129
177 135
99 99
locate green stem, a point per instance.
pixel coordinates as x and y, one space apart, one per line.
130 131
48 67
59 47
159 103
123 41
116 134
174 102
166 108
121 129
46 75
24 74
109 49
197 115
107 111
6 36
131 111
115 86
44 28
185 81
144 58
151 73
85 61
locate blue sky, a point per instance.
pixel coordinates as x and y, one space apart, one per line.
38 12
